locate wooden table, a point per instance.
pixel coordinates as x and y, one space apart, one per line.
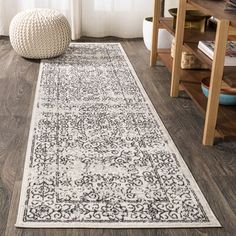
220 121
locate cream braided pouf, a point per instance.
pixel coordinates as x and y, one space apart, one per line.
39 33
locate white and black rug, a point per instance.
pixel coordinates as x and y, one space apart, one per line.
98 154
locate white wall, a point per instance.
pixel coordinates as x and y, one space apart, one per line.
121 18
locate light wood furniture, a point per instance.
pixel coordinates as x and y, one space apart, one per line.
220 121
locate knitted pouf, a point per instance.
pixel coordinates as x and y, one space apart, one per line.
39 33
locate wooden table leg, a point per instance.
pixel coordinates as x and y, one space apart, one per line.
156 16
216 79
179 37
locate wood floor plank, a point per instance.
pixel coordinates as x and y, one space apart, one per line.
16 80
212 167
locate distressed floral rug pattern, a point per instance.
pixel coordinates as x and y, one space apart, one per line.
98 154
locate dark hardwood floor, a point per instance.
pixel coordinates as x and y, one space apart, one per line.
214 168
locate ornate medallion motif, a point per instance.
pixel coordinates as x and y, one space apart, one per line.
99 155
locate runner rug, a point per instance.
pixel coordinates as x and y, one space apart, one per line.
99 155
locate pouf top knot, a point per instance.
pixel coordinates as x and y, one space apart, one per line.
40 33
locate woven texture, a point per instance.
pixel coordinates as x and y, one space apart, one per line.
39 33
99 155
188 60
